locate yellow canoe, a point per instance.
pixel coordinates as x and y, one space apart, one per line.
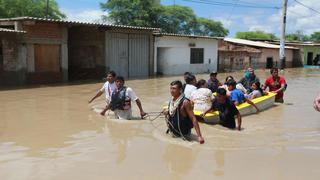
262 103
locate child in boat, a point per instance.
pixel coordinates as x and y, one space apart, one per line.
237 96
227 110
256 91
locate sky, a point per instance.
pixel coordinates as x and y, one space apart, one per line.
233 17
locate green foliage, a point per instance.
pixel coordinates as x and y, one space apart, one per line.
297 36
130 12
210 28
315 36
33 8
171 19
256 35
176 19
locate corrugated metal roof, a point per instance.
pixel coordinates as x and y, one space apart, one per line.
78 22
11 31
255 43
186 35
240 49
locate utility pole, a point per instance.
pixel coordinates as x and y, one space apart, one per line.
282 54
47 11
174 7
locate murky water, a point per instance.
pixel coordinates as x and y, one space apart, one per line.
52 133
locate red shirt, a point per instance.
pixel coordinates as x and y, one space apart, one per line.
275 84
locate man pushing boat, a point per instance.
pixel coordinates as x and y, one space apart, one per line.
180 117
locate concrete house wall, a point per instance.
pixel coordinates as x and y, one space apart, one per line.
50 51
274 54
172 55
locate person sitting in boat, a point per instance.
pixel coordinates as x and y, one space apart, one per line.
213 82
227 110
237 96
107 88
248 79
276 84
256 91
180 116
191 85
202 97
225 85
121 101
185 75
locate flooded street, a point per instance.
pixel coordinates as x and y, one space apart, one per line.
53 133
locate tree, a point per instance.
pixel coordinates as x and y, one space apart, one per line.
210 28
256 35
131 12
176 19
171 19
297 36
315 36
33 8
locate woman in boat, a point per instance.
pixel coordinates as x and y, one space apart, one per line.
202 97
256 91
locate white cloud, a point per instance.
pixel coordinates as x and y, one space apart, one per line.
87 15
298 18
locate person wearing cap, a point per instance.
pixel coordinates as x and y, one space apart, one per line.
213 82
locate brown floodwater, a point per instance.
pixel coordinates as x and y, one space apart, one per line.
53 133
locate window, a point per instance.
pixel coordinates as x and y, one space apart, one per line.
196 55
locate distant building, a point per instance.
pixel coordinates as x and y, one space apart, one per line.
177 53
238 54
37 50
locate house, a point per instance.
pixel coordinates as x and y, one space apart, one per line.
175 54
237 54
310 52
47 50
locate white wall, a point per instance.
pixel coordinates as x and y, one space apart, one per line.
172 55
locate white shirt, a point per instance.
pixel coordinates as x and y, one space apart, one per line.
202 99
126 114
108 88
188 90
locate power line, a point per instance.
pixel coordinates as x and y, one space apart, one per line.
231 13
219 3
307 6
301 16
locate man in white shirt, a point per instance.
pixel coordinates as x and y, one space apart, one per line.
107 88
121 101
191 85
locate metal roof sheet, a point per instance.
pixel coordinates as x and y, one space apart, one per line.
77 22
11 30
186 35
255 43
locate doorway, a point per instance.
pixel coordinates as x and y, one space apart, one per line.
269 64
309 58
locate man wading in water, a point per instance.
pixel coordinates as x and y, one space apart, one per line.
121 101
180 116
107 88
